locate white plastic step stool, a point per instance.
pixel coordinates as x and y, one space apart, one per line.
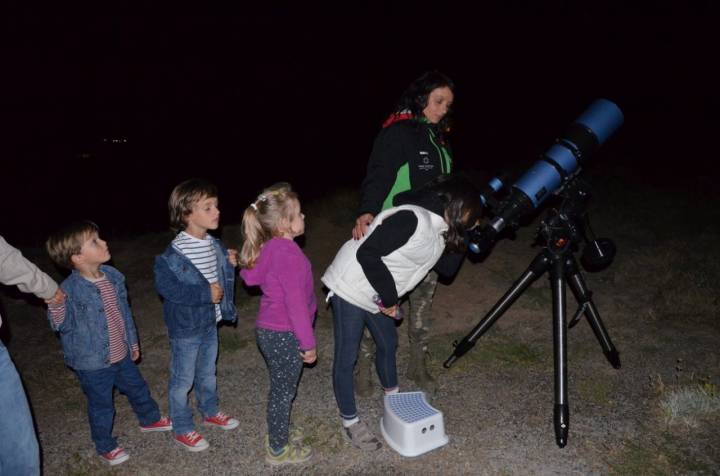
410 425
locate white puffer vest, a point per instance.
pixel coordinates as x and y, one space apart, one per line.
408 265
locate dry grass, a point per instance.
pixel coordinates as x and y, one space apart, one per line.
689 404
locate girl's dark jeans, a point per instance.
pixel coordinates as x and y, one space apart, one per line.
348 324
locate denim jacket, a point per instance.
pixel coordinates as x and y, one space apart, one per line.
84 332
187 301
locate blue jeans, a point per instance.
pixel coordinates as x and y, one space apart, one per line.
99 385
348 324
192 363
19 453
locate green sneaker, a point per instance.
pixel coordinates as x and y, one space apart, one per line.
290 454
297 434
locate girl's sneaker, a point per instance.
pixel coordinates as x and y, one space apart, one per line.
221 420
163 424
192 441
115 456
361 437
297 434
290 454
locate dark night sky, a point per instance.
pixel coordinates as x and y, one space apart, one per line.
262 93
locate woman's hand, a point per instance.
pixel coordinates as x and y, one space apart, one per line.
309 356
361 225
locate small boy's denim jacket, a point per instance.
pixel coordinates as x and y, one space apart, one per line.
187 300
84 332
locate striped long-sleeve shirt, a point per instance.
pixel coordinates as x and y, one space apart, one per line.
202 254
115 324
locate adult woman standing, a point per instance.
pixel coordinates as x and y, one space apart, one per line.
410 151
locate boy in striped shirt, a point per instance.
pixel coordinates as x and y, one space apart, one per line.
195 277
98 336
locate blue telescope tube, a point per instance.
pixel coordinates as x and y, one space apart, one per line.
562 159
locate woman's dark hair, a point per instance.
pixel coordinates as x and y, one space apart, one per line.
460 201
415 97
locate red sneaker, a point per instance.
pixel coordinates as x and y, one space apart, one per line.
115 456
223 421
192 441
163 424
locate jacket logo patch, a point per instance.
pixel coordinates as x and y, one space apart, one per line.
425 166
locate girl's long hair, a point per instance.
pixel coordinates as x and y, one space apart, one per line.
461 205
262 220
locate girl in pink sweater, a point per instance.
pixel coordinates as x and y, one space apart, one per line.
284 327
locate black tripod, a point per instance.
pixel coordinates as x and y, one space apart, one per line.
559 233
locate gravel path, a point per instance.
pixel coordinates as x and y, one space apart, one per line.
497 400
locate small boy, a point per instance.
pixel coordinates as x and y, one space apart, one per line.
98 336
196 278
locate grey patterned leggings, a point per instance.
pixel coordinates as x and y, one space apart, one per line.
282 356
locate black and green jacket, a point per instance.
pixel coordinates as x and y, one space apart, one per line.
406 155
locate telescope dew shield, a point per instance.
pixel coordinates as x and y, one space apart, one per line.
602 118
559 164
589 131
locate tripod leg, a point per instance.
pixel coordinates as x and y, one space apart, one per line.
538 266
584 298
561 415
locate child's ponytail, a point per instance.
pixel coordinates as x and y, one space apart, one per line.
262 220
253 237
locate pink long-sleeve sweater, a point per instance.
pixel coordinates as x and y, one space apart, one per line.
285 277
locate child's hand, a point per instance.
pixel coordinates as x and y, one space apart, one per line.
135 355
361 225
309 356
57 299
216 293
233 257
390 311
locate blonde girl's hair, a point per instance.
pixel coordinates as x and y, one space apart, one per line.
262 220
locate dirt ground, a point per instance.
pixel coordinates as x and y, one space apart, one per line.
659 303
